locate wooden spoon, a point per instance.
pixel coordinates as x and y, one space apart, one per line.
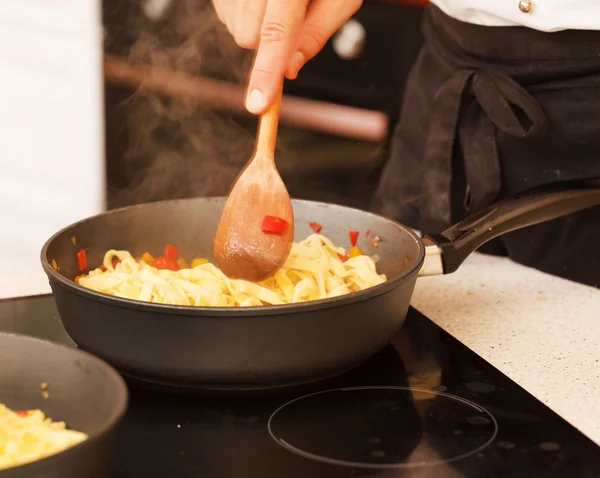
257 202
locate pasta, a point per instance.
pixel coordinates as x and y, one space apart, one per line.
314 270
30 436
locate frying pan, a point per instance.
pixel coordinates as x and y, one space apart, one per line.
254 348
85 392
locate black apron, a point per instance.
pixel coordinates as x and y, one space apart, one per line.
493 111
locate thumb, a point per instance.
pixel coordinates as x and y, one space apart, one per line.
279 35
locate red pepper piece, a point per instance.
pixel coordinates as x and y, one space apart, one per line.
273 225
343 258
315 226
82 259
353 235
22 413
115 261
171 252
163 262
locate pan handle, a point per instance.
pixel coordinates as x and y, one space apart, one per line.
445 252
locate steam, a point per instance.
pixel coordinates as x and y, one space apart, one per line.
177 149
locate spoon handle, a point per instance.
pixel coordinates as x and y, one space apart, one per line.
267 127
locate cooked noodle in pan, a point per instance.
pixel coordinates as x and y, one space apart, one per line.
316 269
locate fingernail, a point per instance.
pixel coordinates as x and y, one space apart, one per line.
255 101
296 62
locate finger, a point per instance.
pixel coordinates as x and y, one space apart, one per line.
323 19
223 9
248 19
279 35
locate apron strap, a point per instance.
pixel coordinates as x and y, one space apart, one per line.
437 165
473 104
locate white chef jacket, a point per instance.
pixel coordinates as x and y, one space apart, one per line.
545 15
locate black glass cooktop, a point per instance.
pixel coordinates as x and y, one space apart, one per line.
424 406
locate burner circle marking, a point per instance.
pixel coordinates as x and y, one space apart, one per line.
486 426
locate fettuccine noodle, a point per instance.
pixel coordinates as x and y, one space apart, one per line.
31 437
312 271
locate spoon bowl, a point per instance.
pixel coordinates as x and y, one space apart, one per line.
256 230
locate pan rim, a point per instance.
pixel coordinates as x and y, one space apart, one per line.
112 423
262 310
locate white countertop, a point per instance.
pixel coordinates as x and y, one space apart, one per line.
541 331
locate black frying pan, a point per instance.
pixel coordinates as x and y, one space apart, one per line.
85 392
271 346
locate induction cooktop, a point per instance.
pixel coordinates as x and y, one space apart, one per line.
424 406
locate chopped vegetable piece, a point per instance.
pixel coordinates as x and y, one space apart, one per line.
315 226
82 259
74 240
273 225
353 235
171 251
343 258
147 258
115 261
182 263
355 251
163 262
23 413
198 261
374 239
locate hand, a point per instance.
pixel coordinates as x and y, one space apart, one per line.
287 34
